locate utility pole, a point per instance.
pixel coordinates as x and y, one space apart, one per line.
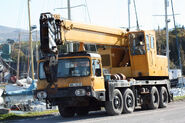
69 17
37 48
30 38
18 57
129 14
69 9
167 37
177 42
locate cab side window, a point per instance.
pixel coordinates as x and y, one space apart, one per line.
95 65
147 42
152 42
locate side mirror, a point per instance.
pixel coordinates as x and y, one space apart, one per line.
98 72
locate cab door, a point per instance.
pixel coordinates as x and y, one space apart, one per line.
151 53
97 74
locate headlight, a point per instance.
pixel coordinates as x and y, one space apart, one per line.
80 92
41 95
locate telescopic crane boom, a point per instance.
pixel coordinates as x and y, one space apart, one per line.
60 31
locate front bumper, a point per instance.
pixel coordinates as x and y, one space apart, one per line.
72 97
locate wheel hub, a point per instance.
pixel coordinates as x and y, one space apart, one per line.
155 97
117 102
129 101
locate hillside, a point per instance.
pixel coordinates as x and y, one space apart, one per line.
161 45
12 33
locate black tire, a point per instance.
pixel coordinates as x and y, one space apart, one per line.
128 101
115 107
163 96
153 98
82 111
66 111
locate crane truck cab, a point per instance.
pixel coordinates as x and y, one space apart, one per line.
80 81
76 70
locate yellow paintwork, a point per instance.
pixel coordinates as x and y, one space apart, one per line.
120 58
73 31
64 82
149 64
146 65
115 59
139 63
124 70
158 64
97 83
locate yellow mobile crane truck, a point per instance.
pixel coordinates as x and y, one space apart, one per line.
125 74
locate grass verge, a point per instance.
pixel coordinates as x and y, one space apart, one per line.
14 116
177 98
2 86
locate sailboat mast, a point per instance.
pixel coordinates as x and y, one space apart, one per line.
30 40
129 14
69 18
37 49
177 42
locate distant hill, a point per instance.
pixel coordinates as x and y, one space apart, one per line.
12 33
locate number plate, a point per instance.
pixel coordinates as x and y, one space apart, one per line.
75 84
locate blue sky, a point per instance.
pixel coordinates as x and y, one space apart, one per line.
112 13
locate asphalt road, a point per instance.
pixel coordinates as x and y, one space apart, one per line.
174 113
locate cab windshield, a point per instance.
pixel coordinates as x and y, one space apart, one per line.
74 67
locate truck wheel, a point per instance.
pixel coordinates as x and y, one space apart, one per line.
163 95
128 101
66 111
153 98
82 111
115 106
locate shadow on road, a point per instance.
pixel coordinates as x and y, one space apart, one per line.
76 118
91 115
